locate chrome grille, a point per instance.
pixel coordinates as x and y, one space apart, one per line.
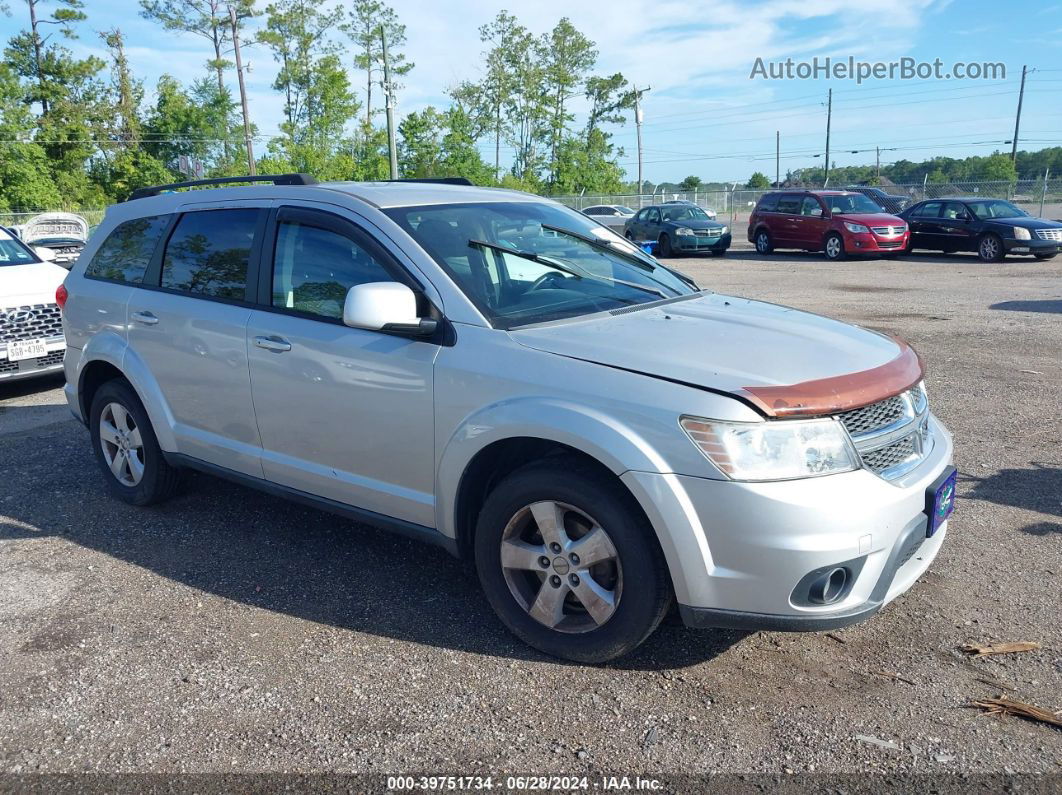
30 322
874 416
1049 234
892 435
889 231
709 232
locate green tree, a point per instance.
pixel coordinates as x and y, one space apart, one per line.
569 56
609 97
127 93
758 181
690 183
25 180
35 57
363 26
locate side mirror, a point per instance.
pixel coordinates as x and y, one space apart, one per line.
385 306
44 253
964 217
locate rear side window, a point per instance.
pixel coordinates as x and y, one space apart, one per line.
768 204
790 203
928 210
208 253
125 254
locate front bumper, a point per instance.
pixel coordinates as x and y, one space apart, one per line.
50 363
870 243
695 243
1034 246
737 551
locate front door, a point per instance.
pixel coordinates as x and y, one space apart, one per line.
956 229
344 413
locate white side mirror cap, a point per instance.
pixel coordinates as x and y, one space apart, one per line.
377 305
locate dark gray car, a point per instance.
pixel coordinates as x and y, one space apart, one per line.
678 228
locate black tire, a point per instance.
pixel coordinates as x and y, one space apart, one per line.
990 248
1045 257
159 480
763 242
665 246
645 587
720 253
838 250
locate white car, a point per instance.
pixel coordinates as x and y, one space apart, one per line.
611 215
65 234
31 327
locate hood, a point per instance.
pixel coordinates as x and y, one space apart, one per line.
764 353
33 283
1025 223
696 223
871 219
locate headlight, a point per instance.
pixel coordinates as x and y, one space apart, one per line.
855 228
725 230
683 231
775 449
1021 233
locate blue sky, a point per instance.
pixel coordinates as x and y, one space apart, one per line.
704 115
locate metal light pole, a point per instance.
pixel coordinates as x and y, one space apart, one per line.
638 129
251 170
390 106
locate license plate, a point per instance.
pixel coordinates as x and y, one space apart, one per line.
940 501
26 349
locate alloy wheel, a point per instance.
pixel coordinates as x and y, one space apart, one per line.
122 446
989 248
561 567
833 247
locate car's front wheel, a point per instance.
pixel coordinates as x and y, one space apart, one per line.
834 247
665 246
569 562
990 249
126 447
1045 256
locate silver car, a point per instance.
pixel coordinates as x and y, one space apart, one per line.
500 375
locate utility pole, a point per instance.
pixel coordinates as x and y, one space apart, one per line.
251 170
389 95
1017 119
777 158
877 162
829 117
638 127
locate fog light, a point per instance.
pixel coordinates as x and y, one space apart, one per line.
829 587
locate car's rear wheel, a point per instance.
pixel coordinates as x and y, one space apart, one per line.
569 562
764 244
833 248
665 246
990 249
126 448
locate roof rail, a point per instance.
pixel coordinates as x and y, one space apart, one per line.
436 180
276 179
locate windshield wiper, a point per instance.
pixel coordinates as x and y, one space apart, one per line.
571 268
613 248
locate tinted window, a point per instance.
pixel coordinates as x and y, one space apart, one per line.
954 210
208 253
125 254
654 216
928 210
642 215
314 266
811 207
769 203
789 203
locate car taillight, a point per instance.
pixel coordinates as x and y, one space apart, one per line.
61 295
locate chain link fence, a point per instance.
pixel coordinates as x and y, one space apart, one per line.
1037 197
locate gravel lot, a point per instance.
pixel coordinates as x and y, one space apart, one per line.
231 631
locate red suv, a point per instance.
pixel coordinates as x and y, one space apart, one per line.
836 222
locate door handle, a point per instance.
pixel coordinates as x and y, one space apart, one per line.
274 344
147 318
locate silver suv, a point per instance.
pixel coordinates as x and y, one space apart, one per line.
502 376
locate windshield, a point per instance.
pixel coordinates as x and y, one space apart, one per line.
995 208
624 210
683 213
525 262
14 252
851 204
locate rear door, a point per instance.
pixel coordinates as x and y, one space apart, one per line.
344 413
189 328
784 224
925 226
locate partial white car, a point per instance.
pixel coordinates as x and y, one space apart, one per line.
64 234
614 216
31 327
